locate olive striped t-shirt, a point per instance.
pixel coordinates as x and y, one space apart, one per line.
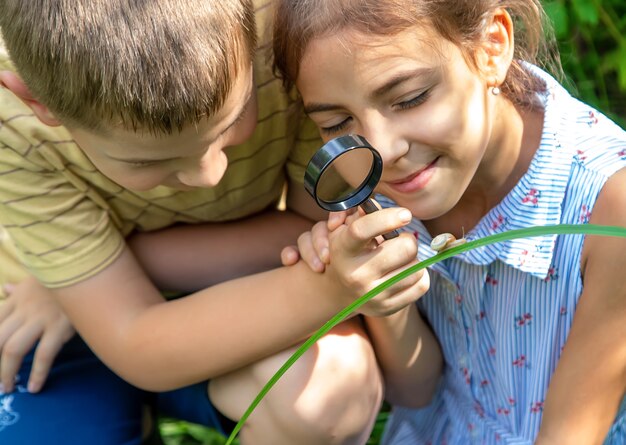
67 221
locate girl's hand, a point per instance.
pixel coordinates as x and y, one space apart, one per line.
27 316
313 245
312 249
360 262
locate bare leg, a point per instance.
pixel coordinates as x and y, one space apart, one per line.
330 396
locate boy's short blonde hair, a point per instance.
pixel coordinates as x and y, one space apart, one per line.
154 66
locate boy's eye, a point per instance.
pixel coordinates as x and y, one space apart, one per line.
238 120
140 164
336 128
417 100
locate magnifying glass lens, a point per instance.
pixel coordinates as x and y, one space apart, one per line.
346 175
343 174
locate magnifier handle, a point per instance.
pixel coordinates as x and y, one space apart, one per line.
369 207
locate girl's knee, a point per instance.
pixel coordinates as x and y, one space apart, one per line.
330 395
344 386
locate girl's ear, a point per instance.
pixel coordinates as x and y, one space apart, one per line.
16 85
495 54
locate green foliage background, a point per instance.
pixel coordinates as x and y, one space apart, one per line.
591 36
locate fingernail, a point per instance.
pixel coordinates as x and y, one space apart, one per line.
405 215
8 288
317 265
335 215
33 387
324 255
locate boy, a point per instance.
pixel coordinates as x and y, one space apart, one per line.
134 117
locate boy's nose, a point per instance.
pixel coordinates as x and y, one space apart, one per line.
205 172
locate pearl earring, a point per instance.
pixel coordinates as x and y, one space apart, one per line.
495 90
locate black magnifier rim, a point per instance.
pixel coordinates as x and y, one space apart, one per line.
325 156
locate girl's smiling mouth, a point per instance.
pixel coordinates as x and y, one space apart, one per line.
416 181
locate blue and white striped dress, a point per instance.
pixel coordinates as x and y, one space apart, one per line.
503 312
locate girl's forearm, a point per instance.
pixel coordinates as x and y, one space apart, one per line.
589 383
409 356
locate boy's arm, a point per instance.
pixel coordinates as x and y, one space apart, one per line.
186 258
191 257
159 345
590 379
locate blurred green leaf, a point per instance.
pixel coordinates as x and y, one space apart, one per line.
590 36
586 11
558 15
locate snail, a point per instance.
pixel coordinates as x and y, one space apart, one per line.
445 241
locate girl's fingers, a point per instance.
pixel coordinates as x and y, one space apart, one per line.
398 296
319 234
368 227
289 255
396 253
408 295
405 283
354 214
388 258
308 252
379 264
336 219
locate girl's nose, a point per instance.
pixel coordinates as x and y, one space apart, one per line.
388 141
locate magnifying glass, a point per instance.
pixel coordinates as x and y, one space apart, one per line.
343 173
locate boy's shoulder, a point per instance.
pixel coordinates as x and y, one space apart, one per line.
20 130
26 141
5 61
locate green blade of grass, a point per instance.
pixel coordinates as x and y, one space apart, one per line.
559 229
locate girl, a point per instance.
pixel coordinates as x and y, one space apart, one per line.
476 139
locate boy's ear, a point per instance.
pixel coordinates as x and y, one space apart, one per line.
16 85
495 55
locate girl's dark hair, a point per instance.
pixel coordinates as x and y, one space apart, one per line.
462 22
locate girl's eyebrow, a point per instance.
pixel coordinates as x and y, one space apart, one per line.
390 84
399 78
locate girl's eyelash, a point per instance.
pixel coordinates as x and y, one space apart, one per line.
417 100
336 128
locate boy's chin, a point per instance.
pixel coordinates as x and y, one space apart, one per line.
171 185
183 187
